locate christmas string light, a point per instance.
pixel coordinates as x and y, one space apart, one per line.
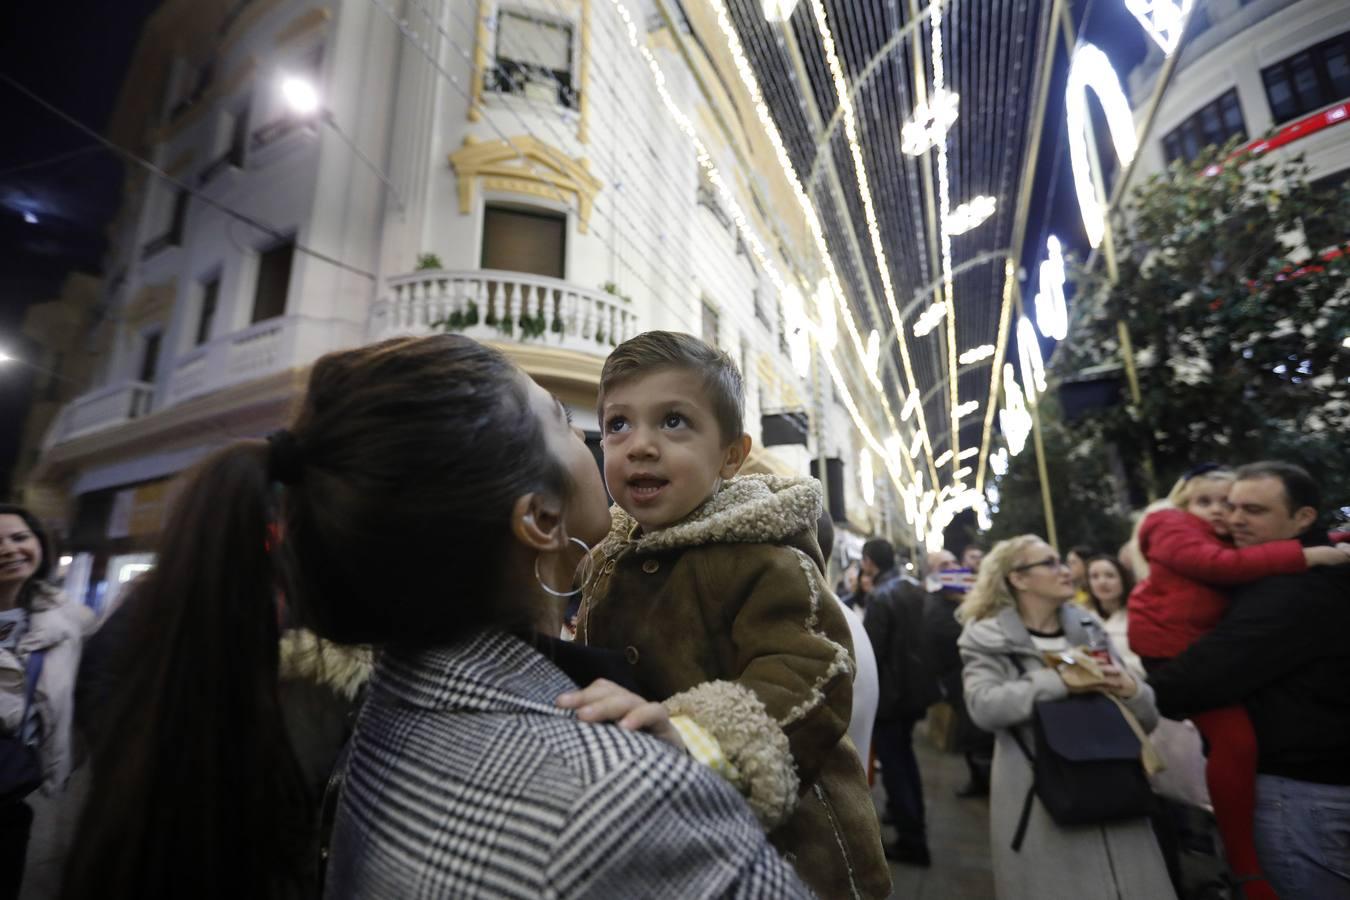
1014 419
976 354
971 214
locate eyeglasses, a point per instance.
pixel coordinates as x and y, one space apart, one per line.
1052 562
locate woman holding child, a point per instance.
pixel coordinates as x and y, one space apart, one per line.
425 501
1018 610
713 588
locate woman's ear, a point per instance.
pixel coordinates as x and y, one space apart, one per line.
536 521
735 456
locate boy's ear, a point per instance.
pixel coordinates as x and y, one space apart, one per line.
536 521
735 456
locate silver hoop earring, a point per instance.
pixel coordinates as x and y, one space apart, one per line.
586 551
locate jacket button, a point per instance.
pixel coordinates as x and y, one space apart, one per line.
650 566
630 653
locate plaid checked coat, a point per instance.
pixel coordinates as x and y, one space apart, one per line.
465 780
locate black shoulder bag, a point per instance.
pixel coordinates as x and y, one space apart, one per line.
20 768
1087 767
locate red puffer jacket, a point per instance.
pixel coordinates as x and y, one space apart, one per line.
1180 602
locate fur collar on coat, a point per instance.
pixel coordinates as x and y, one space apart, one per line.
749 509
341 668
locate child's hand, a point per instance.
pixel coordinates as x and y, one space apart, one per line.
1327 556
605 701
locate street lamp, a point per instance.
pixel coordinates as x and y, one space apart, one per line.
5 357
303 99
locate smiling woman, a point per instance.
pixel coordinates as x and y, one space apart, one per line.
40 640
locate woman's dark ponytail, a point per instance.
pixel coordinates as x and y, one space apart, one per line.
195 789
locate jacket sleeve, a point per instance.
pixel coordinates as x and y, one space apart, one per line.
1258 641
996 701
790 702
1193 553
662 826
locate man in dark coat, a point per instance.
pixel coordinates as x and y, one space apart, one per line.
894 621
940 633
1280 650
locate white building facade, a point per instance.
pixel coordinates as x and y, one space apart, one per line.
1273 73
506 169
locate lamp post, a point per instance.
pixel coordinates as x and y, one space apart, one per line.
303 99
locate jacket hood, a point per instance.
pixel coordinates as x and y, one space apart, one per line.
341 668
749 509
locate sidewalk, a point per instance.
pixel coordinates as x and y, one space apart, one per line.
958 834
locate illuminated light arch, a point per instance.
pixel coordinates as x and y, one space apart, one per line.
1092 69
1163 20
866 477
1014 418
1052 310
1032 363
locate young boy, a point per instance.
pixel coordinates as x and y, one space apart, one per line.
712 587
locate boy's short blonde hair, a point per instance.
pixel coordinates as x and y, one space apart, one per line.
1182 491
654 351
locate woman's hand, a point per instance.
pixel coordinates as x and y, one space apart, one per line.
1327 556
605 701
1118 682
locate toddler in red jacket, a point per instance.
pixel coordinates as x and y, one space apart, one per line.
1190 562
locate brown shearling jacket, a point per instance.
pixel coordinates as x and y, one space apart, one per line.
725 618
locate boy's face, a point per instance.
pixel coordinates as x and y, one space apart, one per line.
663 450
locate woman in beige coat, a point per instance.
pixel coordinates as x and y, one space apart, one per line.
1019 609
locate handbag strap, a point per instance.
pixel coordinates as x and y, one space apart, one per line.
1024 819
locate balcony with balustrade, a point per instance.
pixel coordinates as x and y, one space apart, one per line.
511 307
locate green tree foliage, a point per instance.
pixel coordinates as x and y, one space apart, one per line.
1237 326
1085 497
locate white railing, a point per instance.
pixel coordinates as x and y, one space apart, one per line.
256 351
494 305
103 408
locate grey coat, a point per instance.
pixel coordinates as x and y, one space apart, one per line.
1119 860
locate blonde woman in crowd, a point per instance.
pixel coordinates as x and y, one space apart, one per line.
1018 610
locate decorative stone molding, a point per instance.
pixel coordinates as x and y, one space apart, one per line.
525 165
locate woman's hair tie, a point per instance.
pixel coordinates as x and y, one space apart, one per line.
283 457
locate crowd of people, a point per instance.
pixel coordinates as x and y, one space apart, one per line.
353 671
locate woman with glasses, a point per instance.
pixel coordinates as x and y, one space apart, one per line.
1018 611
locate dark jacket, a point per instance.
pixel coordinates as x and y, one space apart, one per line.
1281 651
943 661
894 622
726 618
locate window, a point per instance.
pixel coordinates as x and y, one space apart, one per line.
173 234
534 59
710 324
149 356
1214 124
210 296
517 240
1310 80
760 312
782 330
274 279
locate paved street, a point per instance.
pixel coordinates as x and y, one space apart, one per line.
958 834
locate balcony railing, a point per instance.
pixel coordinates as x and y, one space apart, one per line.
261 349
493 305
103 408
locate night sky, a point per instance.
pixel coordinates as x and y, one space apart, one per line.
75 55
